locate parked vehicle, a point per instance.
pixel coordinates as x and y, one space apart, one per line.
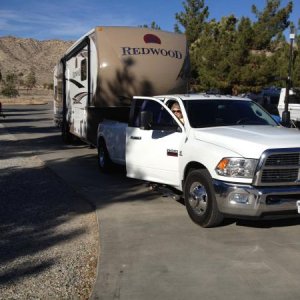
268 98
293 106
97 77
229 158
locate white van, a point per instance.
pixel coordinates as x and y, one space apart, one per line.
294 104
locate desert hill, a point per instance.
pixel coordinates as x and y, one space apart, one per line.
20 55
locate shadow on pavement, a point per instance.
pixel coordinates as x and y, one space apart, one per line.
34 203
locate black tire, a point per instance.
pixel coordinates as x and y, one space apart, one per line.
65 133
200 200
104 162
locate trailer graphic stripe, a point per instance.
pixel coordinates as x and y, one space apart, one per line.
77 98
78 84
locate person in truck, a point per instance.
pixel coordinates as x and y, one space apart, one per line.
176 110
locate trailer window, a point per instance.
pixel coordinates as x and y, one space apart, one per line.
83 68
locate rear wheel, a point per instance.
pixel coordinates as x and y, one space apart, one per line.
200 200
104 162
65 133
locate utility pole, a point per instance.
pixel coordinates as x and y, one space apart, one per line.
286 117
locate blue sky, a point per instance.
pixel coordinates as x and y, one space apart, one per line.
68 20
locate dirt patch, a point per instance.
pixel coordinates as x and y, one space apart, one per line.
35 96
22 101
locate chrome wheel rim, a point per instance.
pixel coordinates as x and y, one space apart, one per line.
198 198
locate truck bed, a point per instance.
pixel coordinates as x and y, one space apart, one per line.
114 135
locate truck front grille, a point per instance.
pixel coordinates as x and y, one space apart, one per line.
279 167
286 159
290 175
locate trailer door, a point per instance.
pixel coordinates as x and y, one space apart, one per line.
77 91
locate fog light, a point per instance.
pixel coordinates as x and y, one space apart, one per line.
239 198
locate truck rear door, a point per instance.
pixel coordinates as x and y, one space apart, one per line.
153 154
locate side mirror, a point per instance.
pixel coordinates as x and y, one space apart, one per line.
146 120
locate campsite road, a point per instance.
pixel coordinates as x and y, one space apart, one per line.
149 248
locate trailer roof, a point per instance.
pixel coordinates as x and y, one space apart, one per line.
100 28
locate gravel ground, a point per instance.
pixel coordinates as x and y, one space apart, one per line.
48 233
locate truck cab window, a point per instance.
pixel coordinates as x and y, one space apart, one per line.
83 68
160 116
210 113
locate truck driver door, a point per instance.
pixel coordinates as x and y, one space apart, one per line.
153 154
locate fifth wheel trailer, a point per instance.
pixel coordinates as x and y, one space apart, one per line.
98 75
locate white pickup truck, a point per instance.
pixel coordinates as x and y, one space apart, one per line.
230 158
294 104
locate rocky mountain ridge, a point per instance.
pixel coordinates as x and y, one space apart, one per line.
20 55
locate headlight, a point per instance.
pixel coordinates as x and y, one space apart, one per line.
236 167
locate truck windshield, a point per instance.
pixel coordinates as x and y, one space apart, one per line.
210 113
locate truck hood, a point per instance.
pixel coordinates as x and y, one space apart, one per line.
250 141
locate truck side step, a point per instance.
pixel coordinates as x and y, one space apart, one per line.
165 191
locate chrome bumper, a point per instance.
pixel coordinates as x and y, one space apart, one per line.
246 200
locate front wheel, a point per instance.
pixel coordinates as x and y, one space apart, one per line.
200 200
104 161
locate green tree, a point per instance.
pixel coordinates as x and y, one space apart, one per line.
192 19
271 22
11 78
9 91
236 56
153 25
240 57
30 80
212 55
9 88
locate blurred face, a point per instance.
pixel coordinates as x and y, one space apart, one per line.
176 111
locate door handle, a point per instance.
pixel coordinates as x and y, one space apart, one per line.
135 137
